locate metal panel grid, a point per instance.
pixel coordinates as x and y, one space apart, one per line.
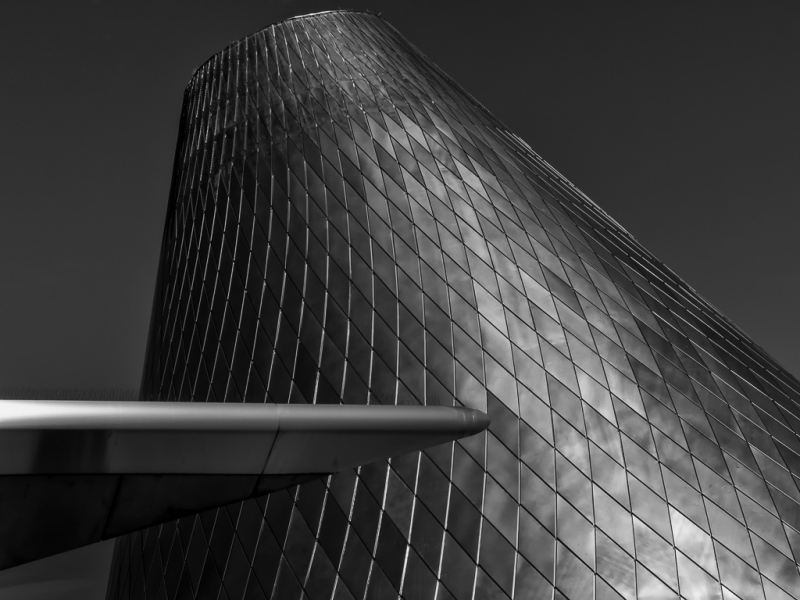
346 224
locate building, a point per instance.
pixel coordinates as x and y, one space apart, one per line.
346 224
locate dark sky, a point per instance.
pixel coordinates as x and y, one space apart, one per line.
679 118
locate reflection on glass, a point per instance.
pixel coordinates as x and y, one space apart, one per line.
366 232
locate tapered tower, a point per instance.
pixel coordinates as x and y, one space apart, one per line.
347 225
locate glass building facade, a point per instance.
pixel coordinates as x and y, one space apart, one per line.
346 224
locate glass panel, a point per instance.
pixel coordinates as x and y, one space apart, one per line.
574 486
531 581
644 466
500 509
573 578
419 580
650 508
497 557
538 498
655 553
604 434
536 544
719 490
426 536
676 458
650 586
730 532
571 443
575 531
458 570
391 550
737 575
464 523
616 566
764 524
613 519
596 395
775 565
693 541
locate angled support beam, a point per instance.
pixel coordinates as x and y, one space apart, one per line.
73 473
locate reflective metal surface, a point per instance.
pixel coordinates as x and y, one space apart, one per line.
346 224
73 473
65 437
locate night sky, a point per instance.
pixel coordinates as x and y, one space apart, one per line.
681 119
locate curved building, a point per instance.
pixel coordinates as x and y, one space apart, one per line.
347 225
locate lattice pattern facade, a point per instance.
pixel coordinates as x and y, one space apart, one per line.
347 225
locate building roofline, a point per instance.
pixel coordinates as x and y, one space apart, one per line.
281 22
327 12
